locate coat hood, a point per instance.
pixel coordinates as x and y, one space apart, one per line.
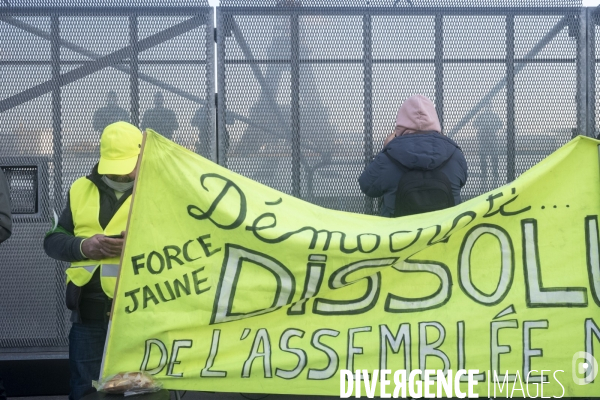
423 151
418 113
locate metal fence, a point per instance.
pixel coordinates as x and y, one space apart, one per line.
306 95
66 74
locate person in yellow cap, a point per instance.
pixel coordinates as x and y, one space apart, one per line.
89 235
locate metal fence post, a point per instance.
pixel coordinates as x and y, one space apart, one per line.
295 101
210 86
510 99
134 87
439 67
368 98
57 161
582 71
222 138
56 110
591 71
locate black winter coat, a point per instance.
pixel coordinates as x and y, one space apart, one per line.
421 151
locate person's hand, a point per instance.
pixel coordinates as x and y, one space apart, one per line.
389 138
99 247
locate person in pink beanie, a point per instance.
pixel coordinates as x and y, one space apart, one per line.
428 161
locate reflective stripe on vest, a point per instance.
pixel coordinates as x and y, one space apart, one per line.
110 270
88 268
85 207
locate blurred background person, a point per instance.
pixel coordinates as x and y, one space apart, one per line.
487 125
109 113
200 122
160 119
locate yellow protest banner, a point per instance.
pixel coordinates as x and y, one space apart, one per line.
228 285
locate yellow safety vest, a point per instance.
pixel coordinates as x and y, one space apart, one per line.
85 207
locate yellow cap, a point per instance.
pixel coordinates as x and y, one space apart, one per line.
120 146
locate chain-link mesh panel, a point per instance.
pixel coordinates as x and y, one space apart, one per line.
31 280
91 103
291 80
107 3
475 104
64 78
398 3
259 90
174 91
545 87
595 76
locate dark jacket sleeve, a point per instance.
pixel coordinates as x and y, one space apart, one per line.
61 243
459 169
5 215
464 169
375 179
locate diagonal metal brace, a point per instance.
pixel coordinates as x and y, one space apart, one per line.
102 62
123 68
560 25
265 87
94 56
